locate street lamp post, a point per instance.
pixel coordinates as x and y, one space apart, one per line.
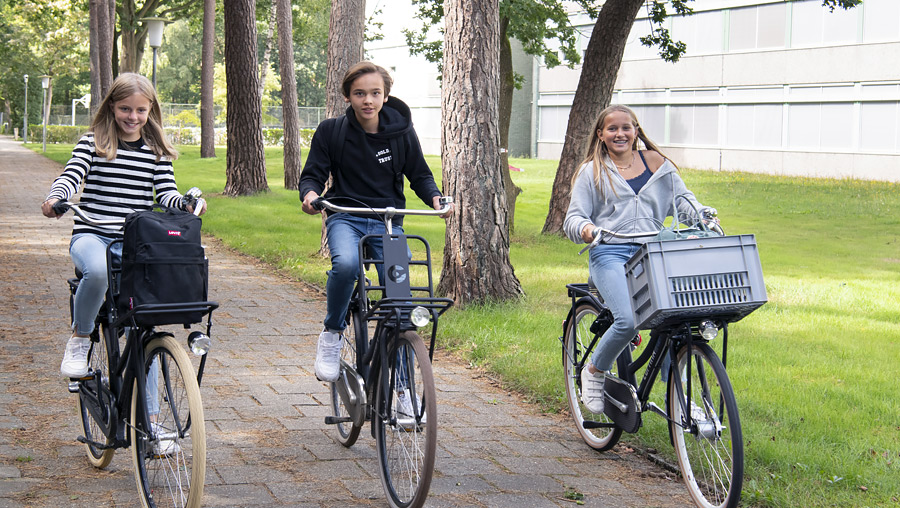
45 84
25 120
155 28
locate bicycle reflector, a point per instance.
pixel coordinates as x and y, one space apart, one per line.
420 316
199 343
708 330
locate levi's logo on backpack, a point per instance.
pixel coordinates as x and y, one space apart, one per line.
162 263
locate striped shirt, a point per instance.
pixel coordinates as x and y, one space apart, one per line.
114 188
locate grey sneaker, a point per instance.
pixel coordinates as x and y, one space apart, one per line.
328 357
592 393
74 363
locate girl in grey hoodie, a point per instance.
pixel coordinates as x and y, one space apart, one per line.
620 188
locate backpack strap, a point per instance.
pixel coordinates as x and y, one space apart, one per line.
338 136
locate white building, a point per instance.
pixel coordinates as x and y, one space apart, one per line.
765 86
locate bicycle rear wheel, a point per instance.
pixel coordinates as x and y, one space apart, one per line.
575 351
708 440
170 456
406 433
347 432
89 394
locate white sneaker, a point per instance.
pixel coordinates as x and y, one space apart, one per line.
406 418
74 363
165 442
592 393
328 357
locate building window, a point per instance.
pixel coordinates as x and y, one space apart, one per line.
758 27
694 125
879 127
754 126
881 20
812 24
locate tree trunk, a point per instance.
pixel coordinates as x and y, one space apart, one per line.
245 167
346 29
102 15
595 86
507 87
290 111
207 73
267 53
345 48
476 255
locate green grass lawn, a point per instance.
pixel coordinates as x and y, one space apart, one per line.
814 369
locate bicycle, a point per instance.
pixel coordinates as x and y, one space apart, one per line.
168 446
685 290
388 378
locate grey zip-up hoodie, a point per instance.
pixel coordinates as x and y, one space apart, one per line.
620 209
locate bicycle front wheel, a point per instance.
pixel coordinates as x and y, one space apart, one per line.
170 455
347 432
91 394
706 429
597 430
405 423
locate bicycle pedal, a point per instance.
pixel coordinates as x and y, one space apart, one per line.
74 386
334 420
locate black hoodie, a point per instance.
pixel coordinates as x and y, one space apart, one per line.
368 171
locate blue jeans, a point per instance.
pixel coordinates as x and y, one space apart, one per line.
607 268
88 253
344 232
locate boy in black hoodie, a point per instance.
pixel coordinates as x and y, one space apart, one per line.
367 152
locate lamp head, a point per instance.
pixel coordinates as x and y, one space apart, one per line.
155 28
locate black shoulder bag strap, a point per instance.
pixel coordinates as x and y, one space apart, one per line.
338 136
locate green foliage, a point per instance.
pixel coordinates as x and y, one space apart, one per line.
68 134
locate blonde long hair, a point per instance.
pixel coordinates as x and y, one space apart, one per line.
106 131
598 153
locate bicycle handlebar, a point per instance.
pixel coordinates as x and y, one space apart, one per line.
323 204
191 198
708 219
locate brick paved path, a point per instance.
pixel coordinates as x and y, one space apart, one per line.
268 445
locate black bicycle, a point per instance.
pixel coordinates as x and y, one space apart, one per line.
685 290
386 374
165 430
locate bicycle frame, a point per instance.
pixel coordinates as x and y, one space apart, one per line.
663 343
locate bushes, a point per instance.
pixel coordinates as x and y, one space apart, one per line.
70 134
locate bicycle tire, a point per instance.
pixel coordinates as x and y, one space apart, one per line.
174 477
98 362
577 338
348 433
710 451
406 446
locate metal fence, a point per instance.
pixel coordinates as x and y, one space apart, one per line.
188 115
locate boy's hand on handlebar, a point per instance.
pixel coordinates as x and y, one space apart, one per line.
47 209
437 205
308 203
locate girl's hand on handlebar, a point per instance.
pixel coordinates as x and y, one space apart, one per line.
202 203
47 209
589 233
308 203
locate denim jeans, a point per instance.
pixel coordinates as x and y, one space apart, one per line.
607 268
88 253
344 232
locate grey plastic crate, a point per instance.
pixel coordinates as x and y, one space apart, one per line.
717 277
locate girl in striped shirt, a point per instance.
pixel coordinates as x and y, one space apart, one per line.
119 165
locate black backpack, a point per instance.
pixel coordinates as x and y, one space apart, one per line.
162 263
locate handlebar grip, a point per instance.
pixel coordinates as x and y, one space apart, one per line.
61 207
318 204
